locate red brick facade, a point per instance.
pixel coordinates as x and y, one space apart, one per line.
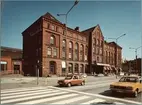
47 48
11 62
40 53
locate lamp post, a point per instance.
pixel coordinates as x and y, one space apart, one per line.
66 16
116 40
135 54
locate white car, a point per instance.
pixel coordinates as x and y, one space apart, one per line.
84 75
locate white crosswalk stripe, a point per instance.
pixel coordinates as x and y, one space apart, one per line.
39 95
94 101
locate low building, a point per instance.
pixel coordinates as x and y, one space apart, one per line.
132 66
11 60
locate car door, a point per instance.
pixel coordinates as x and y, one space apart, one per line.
74 79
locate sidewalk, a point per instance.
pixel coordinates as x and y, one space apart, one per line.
15 82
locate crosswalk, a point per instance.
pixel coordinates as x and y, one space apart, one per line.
46 95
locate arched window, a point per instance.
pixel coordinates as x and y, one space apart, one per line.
86 52
76 68
70 50
70 68
81 52
52 40
70 45
63 49
49 51
76 51
64 43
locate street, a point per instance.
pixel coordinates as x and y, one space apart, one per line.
102 87
95 86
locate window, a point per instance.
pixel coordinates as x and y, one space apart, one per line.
48 25
53 27
70 55
81 52
70 50
86 52
76 68
52 40
49 51
76 51
54 52
3 65
70 45
94 41
70 68
101 51
63 54
57 29
64 43
63 49
97 59
97 42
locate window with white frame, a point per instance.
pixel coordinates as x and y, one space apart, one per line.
49 50
70 55
54 52
53 27
52 40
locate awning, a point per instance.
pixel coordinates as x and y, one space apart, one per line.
3 62
105 68
101 64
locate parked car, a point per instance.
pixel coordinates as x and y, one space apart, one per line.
84 75
72 80
128 84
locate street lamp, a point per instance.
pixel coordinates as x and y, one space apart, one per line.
135 54
66 16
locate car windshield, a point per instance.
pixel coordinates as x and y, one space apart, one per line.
128 79
68 77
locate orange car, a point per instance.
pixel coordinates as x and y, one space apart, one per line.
71 80
128 84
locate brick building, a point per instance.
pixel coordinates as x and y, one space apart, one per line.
95 45
132 66
11 60
44 43
45 46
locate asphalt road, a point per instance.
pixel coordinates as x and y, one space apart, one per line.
101 86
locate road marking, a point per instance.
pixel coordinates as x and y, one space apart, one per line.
71 100
48 99
94 101
100 96
28 98
20 89
25 92
28 94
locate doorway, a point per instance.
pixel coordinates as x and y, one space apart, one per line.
52 67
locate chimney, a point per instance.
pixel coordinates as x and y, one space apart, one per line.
76 29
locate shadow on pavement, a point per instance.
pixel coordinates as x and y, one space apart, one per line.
117 95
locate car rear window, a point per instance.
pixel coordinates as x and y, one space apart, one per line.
128 79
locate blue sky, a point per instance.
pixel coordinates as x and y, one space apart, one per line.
114 17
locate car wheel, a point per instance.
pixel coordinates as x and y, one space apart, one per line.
135 94
83 83
69 84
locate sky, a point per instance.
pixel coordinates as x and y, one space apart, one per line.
114 17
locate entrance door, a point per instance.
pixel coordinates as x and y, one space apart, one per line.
16 69
52 67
